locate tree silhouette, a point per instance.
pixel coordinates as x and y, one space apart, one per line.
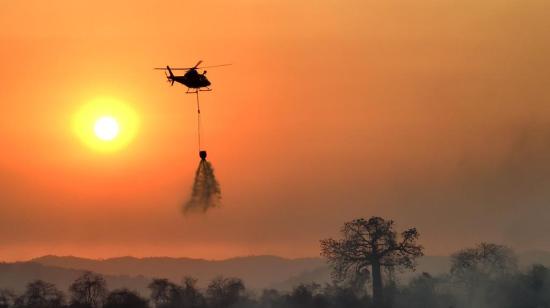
304 296
124 298
485 261
41 294
373 244
224 292
88 291
7 298
191 296
162 292
166 294
475 268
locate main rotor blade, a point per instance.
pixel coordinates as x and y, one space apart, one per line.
198 63
190 68
172 68
214 65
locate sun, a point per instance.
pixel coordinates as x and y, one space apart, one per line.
106 124
106 128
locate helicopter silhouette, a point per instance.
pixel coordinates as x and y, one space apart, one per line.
194 81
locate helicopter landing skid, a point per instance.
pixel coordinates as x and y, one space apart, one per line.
198 90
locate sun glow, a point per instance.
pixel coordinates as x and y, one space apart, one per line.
106 124
106 128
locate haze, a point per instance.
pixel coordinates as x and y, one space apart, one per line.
431 113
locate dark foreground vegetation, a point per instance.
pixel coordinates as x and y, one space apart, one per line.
365 261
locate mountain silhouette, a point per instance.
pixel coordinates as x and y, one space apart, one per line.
258 272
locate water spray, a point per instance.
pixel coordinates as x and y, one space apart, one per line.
205 192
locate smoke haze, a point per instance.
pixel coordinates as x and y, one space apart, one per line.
432 113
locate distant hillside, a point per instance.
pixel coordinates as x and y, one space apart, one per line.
15 276
258 272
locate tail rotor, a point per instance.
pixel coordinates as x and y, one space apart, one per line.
169 78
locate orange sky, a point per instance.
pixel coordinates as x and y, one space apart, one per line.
432 113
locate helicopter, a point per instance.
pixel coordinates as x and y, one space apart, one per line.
194 81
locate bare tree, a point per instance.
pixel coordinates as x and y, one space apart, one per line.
89 290
367 247
41 294
166 294
191 296
485 261
475 268
162 291
224 292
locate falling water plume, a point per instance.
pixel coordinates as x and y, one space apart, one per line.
206 192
